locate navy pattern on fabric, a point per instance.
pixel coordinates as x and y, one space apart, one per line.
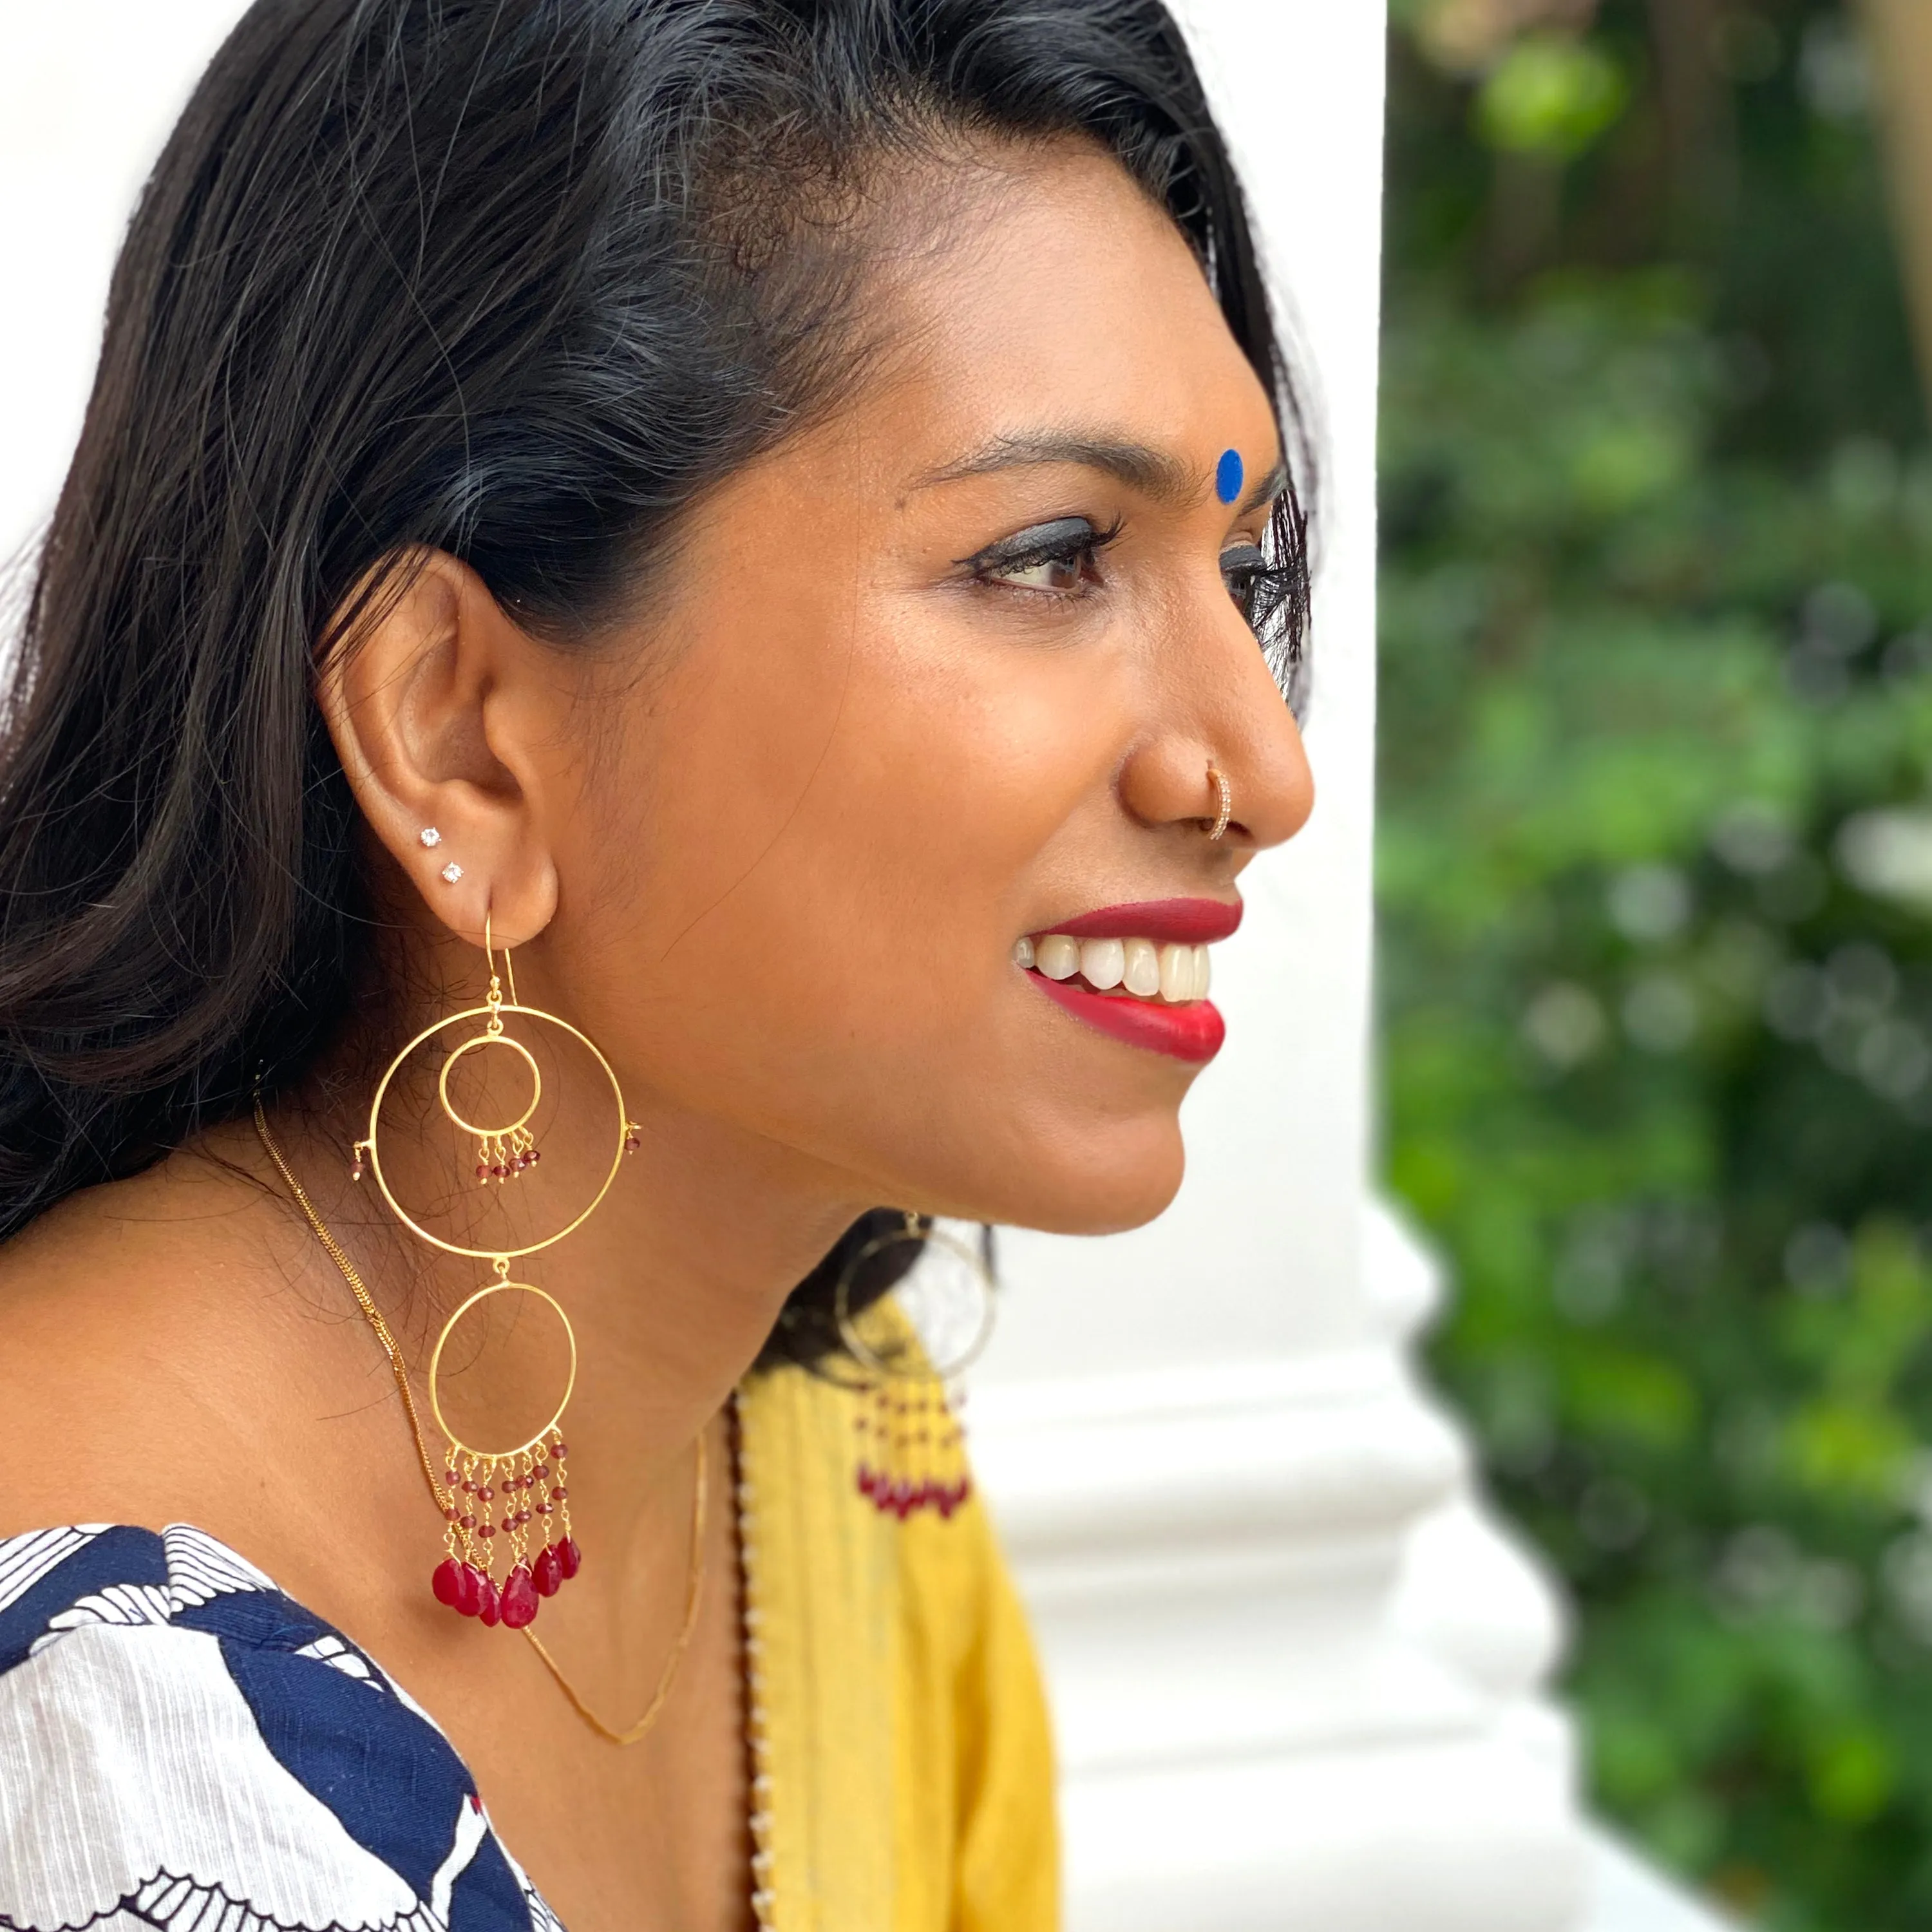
184 1746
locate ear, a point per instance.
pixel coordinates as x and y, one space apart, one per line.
436 707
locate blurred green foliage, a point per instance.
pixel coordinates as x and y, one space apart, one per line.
1656 895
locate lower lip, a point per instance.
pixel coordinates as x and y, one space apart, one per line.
1193 1033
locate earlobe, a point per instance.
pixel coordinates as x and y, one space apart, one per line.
432 704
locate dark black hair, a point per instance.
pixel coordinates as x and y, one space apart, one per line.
516 280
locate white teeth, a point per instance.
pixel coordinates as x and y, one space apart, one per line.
1057 956
1173 973
1176 973
1143 968
1103 962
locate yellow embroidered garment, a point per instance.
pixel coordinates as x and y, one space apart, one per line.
903 1764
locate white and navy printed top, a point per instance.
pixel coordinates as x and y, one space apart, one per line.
183 1746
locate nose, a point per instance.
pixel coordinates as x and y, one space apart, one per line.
1224 713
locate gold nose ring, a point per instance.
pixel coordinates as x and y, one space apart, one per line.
1218 778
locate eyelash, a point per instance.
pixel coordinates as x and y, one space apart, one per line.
1258 588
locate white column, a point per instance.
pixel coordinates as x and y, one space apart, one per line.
1295 1670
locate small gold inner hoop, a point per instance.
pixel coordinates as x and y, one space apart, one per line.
435 1365
475 1044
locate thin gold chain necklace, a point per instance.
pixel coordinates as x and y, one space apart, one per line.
630 1734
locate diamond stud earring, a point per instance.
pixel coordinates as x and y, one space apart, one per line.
452 871
430 836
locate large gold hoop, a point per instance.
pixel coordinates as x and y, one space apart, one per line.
372 1147
483 1294
868 1357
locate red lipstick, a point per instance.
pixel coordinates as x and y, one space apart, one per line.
1193 1033
1166 922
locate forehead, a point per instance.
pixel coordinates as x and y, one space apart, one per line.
1059 292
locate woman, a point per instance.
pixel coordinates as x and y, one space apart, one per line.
708 579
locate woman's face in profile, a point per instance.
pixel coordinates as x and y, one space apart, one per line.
946 673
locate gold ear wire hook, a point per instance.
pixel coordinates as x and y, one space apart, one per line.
490 957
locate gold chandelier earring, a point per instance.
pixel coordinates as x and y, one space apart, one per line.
911 1439
507 1502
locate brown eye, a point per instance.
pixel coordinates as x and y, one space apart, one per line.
1048 573
1244 569
1059 557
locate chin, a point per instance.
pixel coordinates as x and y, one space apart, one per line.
1121 1187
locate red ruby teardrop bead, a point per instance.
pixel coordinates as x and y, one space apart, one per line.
570 1558
520 1599
489 1601
469 1589
547 1573
447 1581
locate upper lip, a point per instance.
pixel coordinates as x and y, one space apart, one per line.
1182 921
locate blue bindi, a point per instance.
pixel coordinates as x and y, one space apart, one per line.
1228 474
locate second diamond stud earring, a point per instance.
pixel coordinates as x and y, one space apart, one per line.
430 837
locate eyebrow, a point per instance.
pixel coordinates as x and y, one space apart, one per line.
1154 472
1266 491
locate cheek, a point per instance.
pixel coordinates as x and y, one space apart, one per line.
842 824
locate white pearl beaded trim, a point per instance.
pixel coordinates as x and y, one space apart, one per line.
764 1900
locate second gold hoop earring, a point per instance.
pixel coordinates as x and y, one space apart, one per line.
911 1453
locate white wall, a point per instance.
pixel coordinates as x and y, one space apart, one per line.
89 91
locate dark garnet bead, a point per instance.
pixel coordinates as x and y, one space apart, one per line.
489 1602
486 1492
449 1512
570 1558
523 1517
559 1494
447 1581
543 1509
468 1522
866 1479
536 1155
547 1573
486 1529
482 1170
558 1451
520 1599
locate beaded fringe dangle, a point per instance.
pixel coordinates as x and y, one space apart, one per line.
911 1453
911 1448
504 1156
532 1493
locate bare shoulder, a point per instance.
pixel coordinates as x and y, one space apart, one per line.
133 1349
